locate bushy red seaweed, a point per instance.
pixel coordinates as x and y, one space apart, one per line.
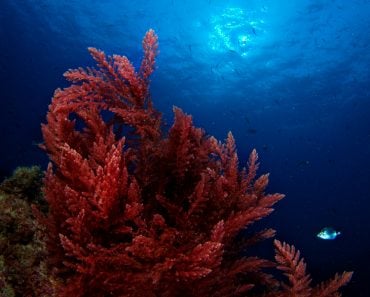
135 211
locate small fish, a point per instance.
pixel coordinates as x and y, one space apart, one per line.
252 131
328 233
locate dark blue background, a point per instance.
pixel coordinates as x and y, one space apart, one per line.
289 78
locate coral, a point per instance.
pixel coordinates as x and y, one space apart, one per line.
22 269
135 211
25 183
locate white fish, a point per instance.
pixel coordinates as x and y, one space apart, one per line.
328 233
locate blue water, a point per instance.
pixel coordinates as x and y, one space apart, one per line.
289 78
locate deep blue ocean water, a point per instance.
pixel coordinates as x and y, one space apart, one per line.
289 78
